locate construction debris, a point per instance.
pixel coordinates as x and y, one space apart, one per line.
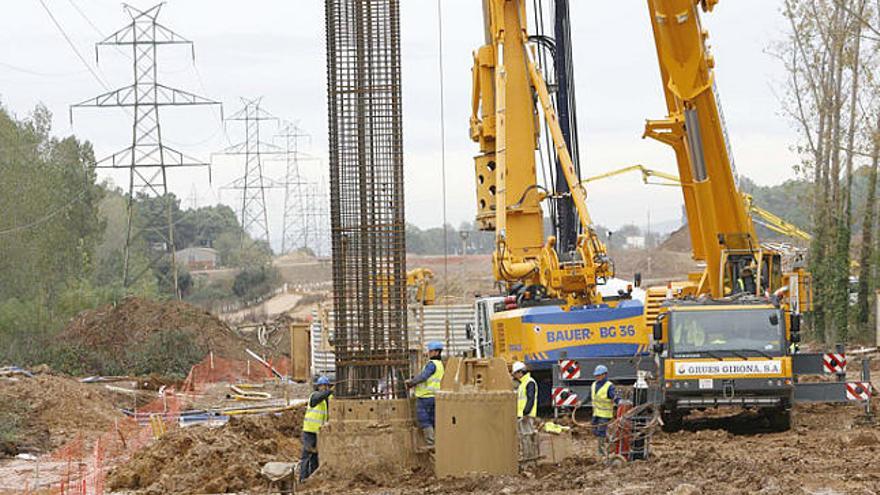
212 460
43 412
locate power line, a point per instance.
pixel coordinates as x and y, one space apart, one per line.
38 73
46 217
88 20
73 46
448 335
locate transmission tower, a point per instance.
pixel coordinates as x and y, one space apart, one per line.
295 232
317 213
253 184
147 159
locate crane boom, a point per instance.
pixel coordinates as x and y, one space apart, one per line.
766 218
551 306
694 127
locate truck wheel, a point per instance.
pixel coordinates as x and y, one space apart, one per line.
780 419
672 421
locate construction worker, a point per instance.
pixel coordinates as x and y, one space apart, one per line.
747 281
317 414
695 336
526 410
603 395
527 391
426 384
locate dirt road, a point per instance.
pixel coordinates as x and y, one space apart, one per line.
828 452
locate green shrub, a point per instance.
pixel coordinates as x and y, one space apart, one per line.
170 353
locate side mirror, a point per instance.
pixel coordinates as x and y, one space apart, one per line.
469 331
795 328
658 332
658 348
637 279
774 319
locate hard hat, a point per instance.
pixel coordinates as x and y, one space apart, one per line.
518 366
323 381
600 370
435 346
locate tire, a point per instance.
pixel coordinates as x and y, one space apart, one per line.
780 419
672 421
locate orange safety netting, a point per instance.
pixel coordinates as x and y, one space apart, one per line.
80 467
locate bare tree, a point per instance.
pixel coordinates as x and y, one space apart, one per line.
824 55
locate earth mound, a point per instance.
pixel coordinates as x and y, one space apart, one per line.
212 460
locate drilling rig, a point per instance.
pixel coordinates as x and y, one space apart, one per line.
551 306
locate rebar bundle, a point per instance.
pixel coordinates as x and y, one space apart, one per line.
366 191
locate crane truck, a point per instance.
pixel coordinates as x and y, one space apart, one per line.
727 336
551 306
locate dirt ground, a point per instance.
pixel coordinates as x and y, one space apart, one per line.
115 328
828 452
467 275
42 413
200 459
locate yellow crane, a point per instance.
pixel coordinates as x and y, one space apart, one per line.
766 218
551 305
420 286
727 336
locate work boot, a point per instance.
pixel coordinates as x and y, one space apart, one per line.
428 431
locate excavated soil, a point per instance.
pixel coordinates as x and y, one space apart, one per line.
829 451
678 241
212 460
45 412
114 331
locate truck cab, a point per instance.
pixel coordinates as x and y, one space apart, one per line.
724 354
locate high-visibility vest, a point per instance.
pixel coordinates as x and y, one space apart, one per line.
429 387
603 407
316 416
521 397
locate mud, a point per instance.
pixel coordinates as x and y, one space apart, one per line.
44 412
211 460
830 451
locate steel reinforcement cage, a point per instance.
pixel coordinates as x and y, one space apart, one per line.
366 201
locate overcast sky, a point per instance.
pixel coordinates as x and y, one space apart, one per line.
275 49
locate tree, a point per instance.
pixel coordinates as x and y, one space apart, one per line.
50 226
829 68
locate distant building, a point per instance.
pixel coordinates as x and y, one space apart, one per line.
198 258
635 242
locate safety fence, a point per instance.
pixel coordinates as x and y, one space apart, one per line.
81 466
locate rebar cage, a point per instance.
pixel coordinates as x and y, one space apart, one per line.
366 181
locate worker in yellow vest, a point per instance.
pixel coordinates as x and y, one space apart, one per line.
526 411
317 413
603 396
526 392
426 384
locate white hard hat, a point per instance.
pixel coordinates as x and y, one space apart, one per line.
518 366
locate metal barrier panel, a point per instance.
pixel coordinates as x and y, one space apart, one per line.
425 325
